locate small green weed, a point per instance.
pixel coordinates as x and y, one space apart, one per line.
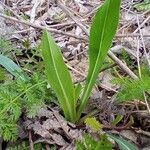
89 143
16 95
102 31
133 89
7 48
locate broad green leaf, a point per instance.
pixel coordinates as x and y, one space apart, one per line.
13 68
102 31
123 144
58 76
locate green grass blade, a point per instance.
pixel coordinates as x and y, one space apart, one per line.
102 31
123 144
13 68
117 120
58 76
78 88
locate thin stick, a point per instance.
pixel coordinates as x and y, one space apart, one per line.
141 25
19 32
143 43
145 99
131 35
47 147
146 102
65 9
78 72
122 65
30 141
62 32
33 11
41 27
9 9
106 68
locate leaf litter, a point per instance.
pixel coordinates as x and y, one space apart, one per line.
50 125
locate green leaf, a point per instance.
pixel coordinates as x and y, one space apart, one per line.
58 76
104 143
133 89
130 122
117 120
89 143
142 6
78 88
123 144
102 31
13 68
93 124
2 74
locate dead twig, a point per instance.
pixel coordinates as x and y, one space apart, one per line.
47 147
143 132
106 68
131 35
143 43
65 9
62 32
78 72
9 9
33 11
41 27
142 24
139 70
30 141
122 66
147 57
19 32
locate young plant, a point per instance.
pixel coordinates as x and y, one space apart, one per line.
133 89
90 143
102 31
104 143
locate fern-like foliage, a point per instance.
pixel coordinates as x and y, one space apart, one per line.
19 95
24 146
6 48
133 89
89 143
9 112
